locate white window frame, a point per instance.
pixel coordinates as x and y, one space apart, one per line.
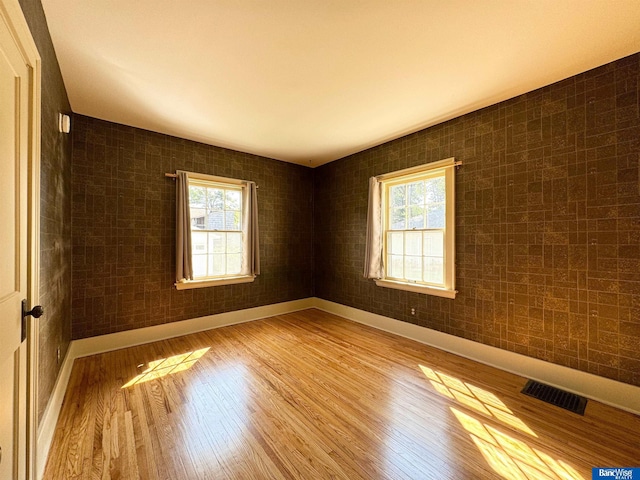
444 167
202 179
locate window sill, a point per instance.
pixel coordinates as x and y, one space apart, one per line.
412 287
214 283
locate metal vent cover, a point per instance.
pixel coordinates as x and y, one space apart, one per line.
569 401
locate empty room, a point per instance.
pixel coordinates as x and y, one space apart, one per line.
320 239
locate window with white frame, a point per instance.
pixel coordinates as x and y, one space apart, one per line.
415 231
216 231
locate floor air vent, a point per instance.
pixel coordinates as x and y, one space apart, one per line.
569 401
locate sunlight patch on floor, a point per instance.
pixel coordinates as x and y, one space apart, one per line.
167 366
510 457
513 458
474 397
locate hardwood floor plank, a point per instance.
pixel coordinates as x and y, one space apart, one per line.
105 463
144 442
132 456
310 395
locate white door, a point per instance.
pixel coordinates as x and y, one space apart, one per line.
15 122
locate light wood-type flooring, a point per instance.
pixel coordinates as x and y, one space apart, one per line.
311 395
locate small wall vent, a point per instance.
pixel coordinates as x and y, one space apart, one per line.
569 401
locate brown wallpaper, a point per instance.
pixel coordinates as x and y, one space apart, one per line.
547 219
55 211
123 211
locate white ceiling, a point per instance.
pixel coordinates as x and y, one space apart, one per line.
311 81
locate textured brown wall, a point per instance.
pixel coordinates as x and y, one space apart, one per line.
124 229
547 218
55 211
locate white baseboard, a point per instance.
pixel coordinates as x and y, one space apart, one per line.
130 338
617 394
47 425
139 336
610 392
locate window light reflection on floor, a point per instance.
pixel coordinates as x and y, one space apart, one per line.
474 397
167 366
513 459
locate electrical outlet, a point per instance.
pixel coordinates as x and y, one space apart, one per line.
413 311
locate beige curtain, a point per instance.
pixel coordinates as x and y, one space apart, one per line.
373 262
184 267
251 250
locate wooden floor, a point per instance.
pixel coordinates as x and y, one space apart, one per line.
311 395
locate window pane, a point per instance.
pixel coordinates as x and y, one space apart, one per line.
215 198
198 242
234 243
433 270
416 193
233 200
232 220
398 196
217 243
435 216
209 265
433 244
396 243
219 264
197 218
396 266
215 220
413 268
399 219
199 265
435 189
416 217
197 197
197 206
413 243
234 263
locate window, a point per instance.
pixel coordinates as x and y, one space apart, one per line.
222 232
411 212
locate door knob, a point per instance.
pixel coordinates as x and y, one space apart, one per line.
35 312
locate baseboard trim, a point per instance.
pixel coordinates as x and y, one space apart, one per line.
610 392
130 338
139 336
47 425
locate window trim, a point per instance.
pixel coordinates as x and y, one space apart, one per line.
446 167
417 288
216 179
214 282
